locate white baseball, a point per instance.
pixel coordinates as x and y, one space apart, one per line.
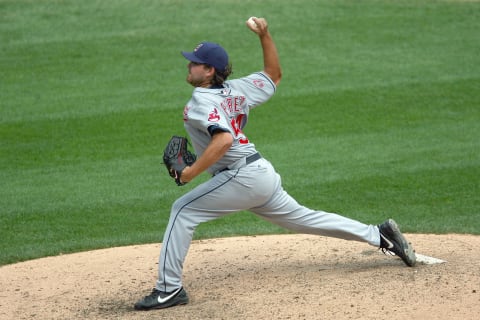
252 23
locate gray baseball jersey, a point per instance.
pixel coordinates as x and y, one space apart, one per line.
242 180
226 109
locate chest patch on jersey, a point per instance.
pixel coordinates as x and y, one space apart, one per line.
214 116
185 113
259 83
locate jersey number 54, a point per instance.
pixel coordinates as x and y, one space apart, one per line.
237 124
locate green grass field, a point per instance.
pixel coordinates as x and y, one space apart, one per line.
377 114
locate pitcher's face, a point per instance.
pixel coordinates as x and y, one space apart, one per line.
199 75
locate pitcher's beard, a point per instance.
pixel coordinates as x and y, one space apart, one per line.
194 82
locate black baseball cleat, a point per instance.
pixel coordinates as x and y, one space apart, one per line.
393 241
159 299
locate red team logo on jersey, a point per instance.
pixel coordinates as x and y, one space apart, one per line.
259 83
185 113
214 116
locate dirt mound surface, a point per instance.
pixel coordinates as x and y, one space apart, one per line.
263 277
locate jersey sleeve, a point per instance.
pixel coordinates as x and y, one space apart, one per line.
258 87
206 116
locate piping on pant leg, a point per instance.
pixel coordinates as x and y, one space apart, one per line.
284 210
179 232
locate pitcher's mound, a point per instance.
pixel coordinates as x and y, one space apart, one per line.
263 277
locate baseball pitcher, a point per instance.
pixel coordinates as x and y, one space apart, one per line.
215 118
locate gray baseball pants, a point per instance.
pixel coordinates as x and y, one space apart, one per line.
257 188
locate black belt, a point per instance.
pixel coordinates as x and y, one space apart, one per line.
252 158
240 163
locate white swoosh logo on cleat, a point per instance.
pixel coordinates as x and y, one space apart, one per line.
173 294
390 244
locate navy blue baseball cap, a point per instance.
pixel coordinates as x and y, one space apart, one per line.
209 53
